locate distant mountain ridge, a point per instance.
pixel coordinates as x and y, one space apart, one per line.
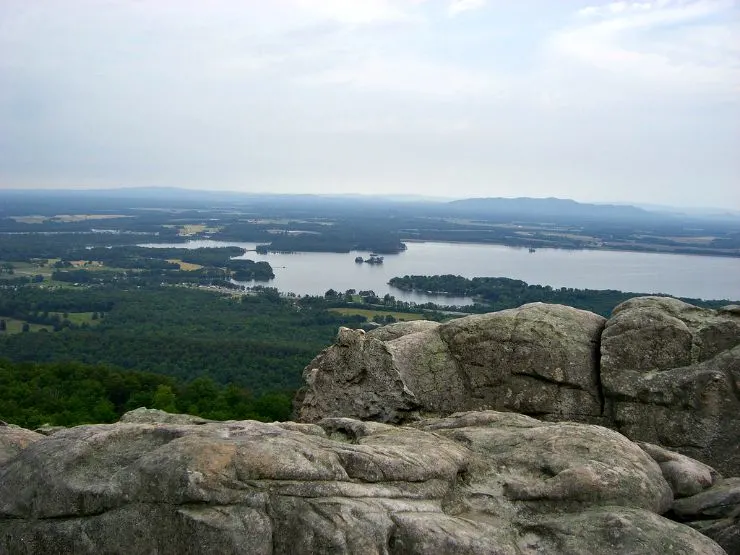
544 207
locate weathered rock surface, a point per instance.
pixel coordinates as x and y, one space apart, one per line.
537 359
714 512
671 375
13 440
364 382
471 483
685 475
659 371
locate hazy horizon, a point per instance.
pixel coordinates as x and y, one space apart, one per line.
608 102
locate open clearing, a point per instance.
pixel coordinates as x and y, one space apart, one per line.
191 229
186 266
16 326
78 317
372 313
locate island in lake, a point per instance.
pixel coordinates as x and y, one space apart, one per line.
374 259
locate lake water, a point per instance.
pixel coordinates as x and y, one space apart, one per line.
705 277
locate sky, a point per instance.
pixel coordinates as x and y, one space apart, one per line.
595 101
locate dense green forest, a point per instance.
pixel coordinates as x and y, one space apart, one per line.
70 393
498 293
260 342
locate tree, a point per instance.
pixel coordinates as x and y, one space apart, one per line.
164 399
273 407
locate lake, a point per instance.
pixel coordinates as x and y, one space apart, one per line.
705 277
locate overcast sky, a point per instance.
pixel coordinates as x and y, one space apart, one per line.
597 101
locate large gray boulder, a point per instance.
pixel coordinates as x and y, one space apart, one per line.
538 359
670 374
659 371
355 377
471 483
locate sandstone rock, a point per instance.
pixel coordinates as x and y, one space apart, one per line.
685 475
721 500
399 329
471 483
13 440
618 530
48 429
659 370
726 532
538 359
143 415
355 377
715 512
549 466
670 374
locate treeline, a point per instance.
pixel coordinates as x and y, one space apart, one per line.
135 257
497 293
29 247
338 236
70 393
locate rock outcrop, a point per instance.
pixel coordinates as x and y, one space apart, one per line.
470 483
659 371
671 375
539 359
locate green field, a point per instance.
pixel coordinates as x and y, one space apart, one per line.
46 269
29 269
78 317
16 326
372 313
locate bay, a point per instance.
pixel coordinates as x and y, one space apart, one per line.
704 277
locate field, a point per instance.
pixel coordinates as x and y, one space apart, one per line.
16 326
46 267
78 317
186 266
30 269
372 313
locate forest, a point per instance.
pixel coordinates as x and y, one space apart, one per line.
260 341
498 293
71 393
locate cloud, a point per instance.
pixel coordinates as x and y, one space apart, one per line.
459 6
663 46
629 100
409 75
356 13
